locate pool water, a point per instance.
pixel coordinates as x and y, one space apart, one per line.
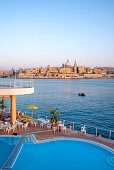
63 155
7 145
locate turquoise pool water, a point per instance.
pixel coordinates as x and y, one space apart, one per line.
63 155
7 145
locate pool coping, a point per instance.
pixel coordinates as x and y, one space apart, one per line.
35 141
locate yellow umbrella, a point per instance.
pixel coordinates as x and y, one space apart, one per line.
32 107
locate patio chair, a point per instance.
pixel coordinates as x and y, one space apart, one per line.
63 128
9 129
24 126
48 126
41 125
14 126
35 123
83 129
54 128
1 126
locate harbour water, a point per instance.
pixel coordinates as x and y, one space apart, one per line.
95 109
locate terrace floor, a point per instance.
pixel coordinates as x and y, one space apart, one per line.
43 134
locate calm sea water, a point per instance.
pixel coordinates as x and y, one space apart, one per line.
95 109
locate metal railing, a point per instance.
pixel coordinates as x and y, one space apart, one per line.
9 163
7 110
91 129
77 126
17 84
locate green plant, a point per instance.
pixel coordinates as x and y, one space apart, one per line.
2 104
55 115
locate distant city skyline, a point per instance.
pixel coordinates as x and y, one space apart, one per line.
37 33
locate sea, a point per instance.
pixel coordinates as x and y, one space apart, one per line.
95 110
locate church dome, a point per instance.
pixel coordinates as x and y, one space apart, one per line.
68 64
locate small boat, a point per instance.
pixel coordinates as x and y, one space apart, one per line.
81 94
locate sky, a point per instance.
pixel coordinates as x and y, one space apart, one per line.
37 33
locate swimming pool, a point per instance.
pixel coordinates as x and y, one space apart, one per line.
64 154
7 145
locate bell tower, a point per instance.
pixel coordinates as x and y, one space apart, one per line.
75 67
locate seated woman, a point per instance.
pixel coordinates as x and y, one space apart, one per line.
59 121
54 126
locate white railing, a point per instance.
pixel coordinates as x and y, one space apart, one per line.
17 84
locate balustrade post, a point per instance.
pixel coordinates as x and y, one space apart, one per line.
96 131
110 134
73 126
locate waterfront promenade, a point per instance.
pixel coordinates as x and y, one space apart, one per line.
42 134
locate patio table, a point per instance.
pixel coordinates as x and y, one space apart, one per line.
7 126
19 124
43 121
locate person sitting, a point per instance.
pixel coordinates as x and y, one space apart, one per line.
54 126
1 118
19 113
98 134
4 110
69 126
59 122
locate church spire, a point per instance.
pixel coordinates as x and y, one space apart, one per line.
75 67
75 61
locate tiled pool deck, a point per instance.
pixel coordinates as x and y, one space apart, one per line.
42 134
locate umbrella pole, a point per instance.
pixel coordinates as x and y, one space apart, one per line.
32 112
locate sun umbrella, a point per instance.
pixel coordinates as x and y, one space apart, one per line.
32 107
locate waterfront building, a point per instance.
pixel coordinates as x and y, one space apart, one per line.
82 69
65 71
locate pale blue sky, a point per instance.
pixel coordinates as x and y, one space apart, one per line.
36 33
